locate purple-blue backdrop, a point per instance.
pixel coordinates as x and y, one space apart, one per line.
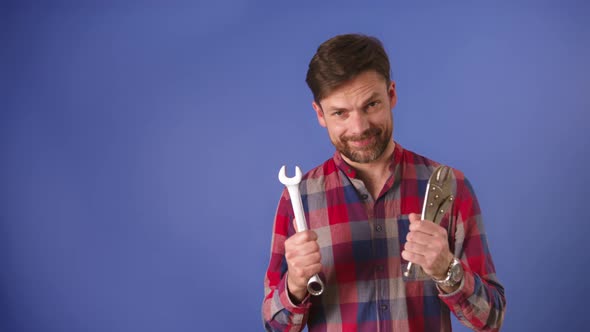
140 143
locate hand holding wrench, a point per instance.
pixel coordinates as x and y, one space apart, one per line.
315 286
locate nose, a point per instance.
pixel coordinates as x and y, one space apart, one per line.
359 122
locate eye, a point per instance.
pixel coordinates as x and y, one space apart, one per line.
373 104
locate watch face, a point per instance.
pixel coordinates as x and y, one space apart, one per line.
456 272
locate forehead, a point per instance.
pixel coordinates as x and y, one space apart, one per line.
360 88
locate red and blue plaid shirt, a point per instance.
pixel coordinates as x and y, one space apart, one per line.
361 240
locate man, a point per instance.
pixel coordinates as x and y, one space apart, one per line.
361 207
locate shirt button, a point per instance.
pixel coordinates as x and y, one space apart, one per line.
364 197
379 228
379 268
383 307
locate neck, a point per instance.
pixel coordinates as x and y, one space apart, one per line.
375 173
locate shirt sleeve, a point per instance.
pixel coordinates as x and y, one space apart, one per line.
278 311
479 303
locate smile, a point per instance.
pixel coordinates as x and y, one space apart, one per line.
363 143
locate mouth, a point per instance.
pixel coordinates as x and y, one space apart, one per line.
362 143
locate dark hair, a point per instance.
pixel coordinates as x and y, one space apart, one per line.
343 57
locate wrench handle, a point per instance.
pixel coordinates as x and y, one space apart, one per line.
315 286
300 221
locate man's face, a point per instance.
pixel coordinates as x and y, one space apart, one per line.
358 117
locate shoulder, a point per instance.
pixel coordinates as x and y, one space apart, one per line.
327 168
415 165
422 167
321 178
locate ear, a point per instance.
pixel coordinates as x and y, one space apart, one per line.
319 113
392 94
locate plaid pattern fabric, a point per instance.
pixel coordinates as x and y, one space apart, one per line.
361 240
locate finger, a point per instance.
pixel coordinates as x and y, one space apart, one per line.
426 239
303 261
413 257
293 250
305 272
428 227
414 217
302 237
416 223
303 249
419 237
416 248
300 265
314 269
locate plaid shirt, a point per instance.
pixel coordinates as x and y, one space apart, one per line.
361 240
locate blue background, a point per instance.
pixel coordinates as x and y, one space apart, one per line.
140 144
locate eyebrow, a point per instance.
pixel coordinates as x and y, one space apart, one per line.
366 101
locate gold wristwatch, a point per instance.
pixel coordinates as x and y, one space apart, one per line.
454 274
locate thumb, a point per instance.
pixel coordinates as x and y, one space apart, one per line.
414 217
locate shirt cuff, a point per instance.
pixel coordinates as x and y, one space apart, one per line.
297 309
465 290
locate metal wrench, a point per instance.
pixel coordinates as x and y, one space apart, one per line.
437 200
315 286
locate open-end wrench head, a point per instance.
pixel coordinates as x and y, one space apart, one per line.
290 181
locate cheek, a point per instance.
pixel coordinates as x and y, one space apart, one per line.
334 130
386 120
336 135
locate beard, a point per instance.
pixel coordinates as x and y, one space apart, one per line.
368 153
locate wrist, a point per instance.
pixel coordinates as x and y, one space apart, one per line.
453 277
296 294
443 274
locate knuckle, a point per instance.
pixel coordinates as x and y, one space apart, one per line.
303 235
288 242
317 269
292 261
308 236
315 246
289 254
317 257
407 255
298 273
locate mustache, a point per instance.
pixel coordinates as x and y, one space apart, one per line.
371 132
